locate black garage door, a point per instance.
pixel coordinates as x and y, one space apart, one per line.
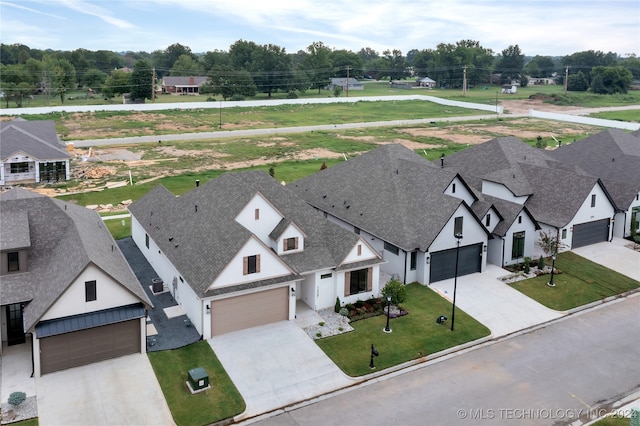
590 233
87 346
443 263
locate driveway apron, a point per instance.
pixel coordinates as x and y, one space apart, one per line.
495 304
613 255
276 365
120 391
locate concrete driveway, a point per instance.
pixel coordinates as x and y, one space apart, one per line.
494 303
276 365
120 391
614 255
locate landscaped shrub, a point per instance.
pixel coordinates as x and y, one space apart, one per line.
336 308
541 263
396 290
237 97
17 398
344 312
527 268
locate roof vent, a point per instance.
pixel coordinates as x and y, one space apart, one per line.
613 159
170 238
196 206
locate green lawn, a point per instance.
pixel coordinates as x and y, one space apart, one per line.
221 402
119 228
29 422
613 421
414 335
579 283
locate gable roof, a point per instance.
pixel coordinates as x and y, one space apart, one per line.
612 155
38 139
184 81
65 240
390 192
199 234
508 213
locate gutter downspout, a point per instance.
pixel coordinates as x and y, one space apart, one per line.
33 364
404 280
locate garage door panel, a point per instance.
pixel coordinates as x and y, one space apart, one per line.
249 310
588 233
443 263
87 346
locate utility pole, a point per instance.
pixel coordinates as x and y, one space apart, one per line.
464 81
566 78
348 68
153 86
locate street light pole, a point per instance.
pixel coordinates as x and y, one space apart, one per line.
387 329
455 280
553 267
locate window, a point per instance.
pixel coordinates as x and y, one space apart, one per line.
453 188
487 221
593 200
90 291
325 276
13 261
357 282
519 219
251 264
414 260
359 249
457 226
146 240
391 248
19 167
517 249
290 243
256 214
564 233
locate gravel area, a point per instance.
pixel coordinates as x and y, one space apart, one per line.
334 324
27 410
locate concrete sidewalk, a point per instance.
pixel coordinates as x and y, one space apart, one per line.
495 304
276 365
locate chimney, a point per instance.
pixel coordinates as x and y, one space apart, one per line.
191 81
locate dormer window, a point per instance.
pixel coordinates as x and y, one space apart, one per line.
290 244
13 261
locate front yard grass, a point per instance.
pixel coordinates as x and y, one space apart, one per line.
415 335
581 282
221 402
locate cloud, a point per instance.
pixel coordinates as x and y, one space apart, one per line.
97 11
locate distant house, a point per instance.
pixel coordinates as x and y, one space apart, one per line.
31 152
183 85
345 84
242 250
614 156
427 82
65 287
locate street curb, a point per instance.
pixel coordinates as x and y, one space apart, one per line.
431 359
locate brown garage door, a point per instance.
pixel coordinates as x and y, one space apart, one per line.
249 310
91 345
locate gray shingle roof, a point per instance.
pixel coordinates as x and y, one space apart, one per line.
612 155
38 139
389 192
65 239
206 238
508 211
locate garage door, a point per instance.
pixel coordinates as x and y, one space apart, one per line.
590 233
443 263
249 310
87 346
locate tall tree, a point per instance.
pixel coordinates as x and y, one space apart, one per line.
540 66
241 53
215 58
317 65
117 83
142 84
61 76
584 61
511 65
609 80
395 65
185 65
346 62
228 82
271 67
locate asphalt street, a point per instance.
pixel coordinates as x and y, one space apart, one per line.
564 373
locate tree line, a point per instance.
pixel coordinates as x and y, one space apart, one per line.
247 68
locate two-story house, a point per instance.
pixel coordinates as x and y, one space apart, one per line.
65 287
242 250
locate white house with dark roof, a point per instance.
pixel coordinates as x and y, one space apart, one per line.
614 156
561 198
30 151
242 250
407 208
65 287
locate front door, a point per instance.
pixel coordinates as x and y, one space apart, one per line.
15 330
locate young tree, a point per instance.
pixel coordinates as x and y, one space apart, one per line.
550 243
142 84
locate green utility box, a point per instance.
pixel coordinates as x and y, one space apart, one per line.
198 379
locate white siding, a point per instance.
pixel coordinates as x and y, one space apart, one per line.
110 294
461 191
366 252
269 217
493 220
530 237
292 231
502 192
622 224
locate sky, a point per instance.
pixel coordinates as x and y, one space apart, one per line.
538 27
